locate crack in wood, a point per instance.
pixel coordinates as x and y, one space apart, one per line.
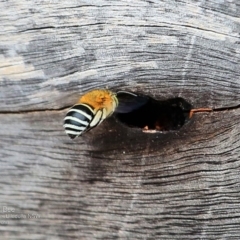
36 110
220 109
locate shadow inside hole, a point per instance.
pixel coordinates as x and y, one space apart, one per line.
165 115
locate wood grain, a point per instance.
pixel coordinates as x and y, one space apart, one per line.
51 51
116 182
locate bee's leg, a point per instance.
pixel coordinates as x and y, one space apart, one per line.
146 130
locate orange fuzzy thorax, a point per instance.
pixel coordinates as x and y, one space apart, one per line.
100 99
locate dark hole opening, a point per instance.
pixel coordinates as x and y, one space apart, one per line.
166 115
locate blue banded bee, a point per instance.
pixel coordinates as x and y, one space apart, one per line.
97 105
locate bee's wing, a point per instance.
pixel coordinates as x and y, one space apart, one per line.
128 102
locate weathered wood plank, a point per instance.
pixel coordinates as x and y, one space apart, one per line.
53 51
117 182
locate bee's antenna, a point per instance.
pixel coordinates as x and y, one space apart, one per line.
194 110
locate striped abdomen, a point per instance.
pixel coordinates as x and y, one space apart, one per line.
81 118
77 120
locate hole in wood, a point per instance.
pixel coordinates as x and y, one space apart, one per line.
155 115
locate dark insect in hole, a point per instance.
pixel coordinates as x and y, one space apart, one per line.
154 115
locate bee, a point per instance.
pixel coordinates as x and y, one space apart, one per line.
97 105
